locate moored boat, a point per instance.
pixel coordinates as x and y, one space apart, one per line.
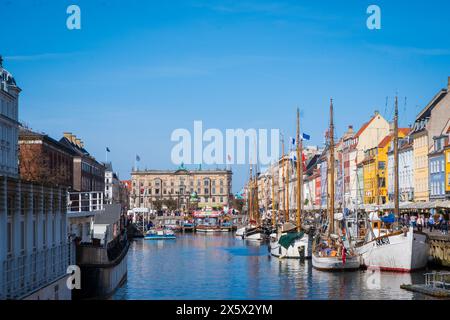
159 234
333 252
386 247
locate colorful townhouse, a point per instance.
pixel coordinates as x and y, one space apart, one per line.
428 124
437 165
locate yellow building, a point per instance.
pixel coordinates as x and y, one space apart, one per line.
369 176
375 170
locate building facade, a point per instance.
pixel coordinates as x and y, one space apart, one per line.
34 245
9 125
88 173
212 187
405 170
112 185
428 124
44 160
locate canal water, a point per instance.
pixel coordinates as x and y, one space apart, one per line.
221 267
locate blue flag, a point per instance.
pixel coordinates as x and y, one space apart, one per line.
107 149
306 136
138 158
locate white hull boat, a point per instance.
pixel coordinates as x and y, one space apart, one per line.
301 248
259 236
396 252
336 263
240 232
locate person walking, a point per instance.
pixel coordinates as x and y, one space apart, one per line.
431 223
419 223
413 221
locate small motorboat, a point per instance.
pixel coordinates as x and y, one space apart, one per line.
188 226
160 234
226 226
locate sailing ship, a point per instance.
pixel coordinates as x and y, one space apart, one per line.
254 231
331 251
290 241
387 247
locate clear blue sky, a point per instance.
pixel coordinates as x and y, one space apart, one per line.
140 69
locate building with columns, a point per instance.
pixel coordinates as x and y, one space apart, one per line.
212 187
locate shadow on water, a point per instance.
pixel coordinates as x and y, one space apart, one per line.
221 266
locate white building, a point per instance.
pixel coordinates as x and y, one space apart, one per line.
34 247
112 185
9 125
405 170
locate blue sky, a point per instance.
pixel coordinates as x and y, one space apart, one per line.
137 70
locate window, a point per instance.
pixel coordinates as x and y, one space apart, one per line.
9 237
34 233
44 233
22 235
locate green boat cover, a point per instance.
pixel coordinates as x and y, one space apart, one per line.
289 238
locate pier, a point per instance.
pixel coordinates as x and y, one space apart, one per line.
440 248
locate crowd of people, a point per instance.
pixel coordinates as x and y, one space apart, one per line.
420 222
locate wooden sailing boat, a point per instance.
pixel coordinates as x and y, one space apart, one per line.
291 241
254 231
386 247
329 252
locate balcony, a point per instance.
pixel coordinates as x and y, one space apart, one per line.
83 202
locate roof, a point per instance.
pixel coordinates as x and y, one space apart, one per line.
110 215
365 125
386 140
426 112
27 134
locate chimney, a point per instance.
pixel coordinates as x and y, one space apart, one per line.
78 142
68 136
350 129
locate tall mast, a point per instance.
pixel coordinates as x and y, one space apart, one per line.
287 192
256 208
331 166
273 199
250 196
299 173
283 177
396 193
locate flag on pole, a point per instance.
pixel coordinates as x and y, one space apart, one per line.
306 136
138 158
107 149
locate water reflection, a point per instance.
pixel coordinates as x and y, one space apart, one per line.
220 266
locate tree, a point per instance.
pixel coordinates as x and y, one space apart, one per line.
171 204
238 204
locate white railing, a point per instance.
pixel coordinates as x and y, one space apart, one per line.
24 274
85 201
